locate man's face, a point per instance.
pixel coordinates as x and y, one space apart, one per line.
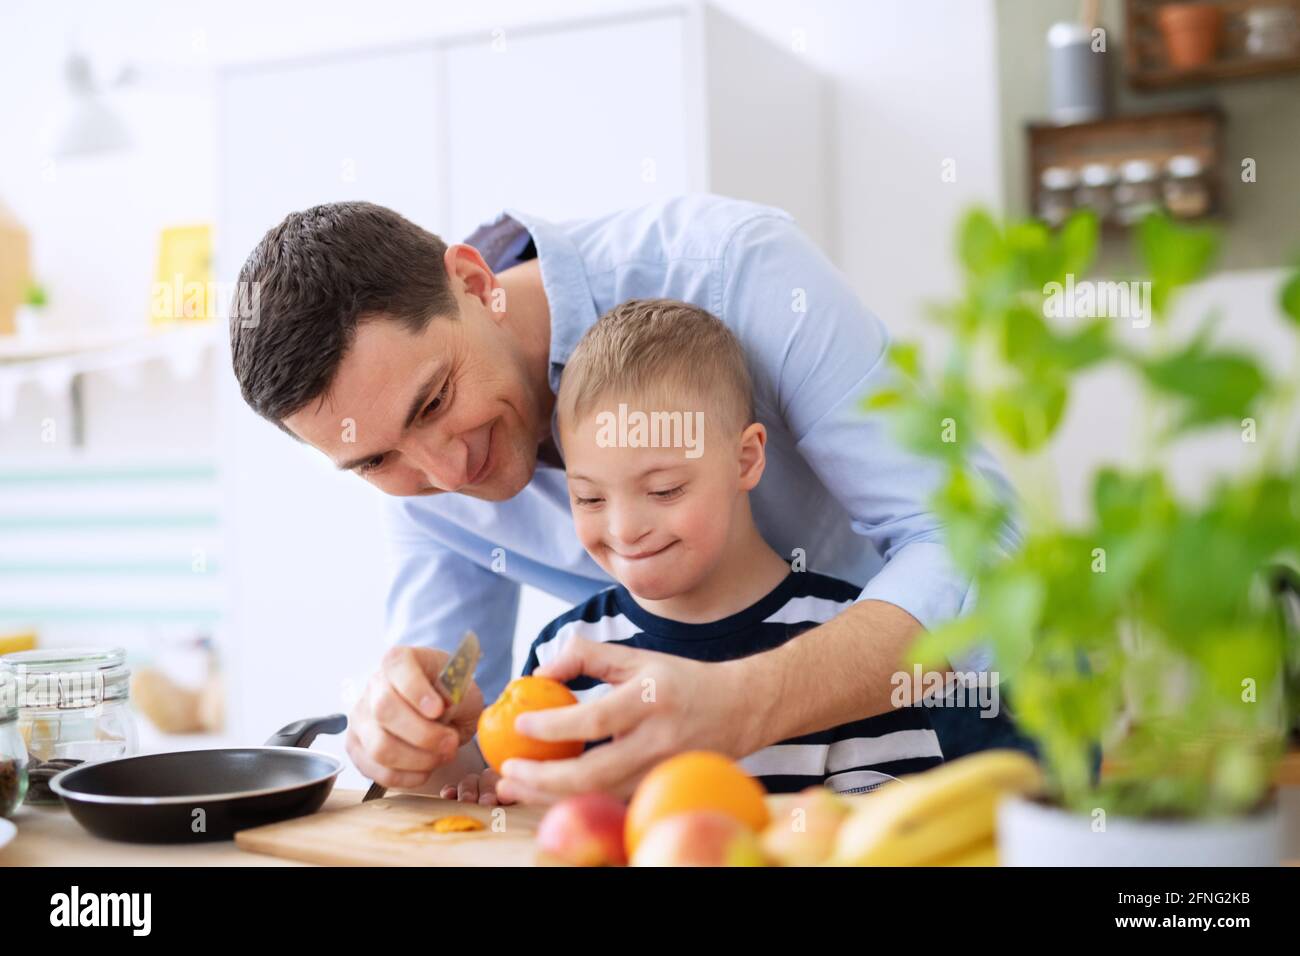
448 409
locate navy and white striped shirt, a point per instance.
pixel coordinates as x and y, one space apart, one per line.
853 757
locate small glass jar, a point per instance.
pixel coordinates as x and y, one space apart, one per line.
73 707
1187 191
1096 185
13 752
1138 192
1056 194
1272 32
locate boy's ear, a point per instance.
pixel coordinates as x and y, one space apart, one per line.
753 455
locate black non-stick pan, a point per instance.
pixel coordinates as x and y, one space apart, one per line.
195 795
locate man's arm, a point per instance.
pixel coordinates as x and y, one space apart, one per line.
436 594
396 734
818 353
833 674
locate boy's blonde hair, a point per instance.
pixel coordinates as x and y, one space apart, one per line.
663 352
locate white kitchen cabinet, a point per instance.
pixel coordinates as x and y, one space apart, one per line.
564 121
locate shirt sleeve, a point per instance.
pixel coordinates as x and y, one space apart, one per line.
816 352
436 594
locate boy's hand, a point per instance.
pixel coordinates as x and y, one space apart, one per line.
478 788
396 736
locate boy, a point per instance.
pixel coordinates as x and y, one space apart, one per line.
661 448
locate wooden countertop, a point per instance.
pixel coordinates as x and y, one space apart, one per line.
48 836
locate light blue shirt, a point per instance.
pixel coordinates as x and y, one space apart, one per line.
838 485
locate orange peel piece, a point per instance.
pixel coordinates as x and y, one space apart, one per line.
456 824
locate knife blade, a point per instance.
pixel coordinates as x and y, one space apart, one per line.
451 684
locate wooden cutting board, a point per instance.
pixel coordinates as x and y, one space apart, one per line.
395 831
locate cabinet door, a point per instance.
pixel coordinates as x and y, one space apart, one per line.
306 546
567 123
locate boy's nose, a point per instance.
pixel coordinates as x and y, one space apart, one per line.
627 527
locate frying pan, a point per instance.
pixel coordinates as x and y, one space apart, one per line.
156 798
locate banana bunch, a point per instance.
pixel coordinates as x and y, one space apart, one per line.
943 817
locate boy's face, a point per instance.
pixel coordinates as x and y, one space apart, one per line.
655 519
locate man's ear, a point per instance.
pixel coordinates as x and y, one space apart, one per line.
753 455
469 274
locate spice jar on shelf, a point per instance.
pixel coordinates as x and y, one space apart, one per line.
13 753
1272 31
1056 186
1138 192
1096 185
1186 189
73 707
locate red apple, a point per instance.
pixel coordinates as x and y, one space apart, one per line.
586 830
698 838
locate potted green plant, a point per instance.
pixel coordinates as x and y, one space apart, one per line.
30 315
1145 630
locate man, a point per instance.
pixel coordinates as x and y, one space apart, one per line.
431 370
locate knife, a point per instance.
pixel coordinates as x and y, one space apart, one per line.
451 684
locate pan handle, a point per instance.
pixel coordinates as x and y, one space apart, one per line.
301 733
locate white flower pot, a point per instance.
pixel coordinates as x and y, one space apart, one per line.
1034 834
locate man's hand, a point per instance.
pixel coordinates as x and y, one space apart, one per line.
394 735
659 705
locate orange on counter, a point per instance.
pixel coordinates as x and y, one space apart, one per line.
497 737
696 780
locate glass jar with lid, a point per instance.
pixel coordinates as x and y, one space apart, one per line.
1271 31
73 707
1187 190
1056 186
1138 192
13 752
1096 182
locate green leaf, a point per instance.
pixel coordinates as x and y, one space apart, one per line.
1027 414
1174 254
1214 386
979 244
906 357
973 519
1290 299
939 646
885 398
1078 239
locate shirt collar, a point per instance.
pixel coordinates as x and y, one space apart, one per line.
564 277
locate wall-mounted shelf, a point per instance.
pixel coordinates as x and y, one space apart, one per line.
1168 142
58 362
1146 61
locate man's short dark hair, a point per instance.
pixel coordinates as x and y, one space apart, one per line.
317 276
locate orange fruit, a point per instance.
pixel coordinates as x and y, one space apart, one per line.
497 737
697 780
